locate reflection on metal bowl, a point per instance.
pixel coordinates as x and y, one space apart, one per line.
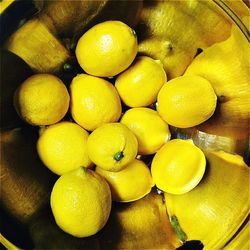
40 36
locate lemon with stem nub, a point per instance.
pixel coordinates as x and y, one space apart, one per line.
144 122
139 85
178 166
186 101
94 101
129 184
112 146
62 147
218 206
81 202
42 99
107 48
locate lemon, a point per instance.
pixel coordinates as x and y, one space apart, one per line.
227 66
178 166
81 202
186 101
150 130
94 101
125 185
62 147
107 48
42 99
112 146
139 85
219 206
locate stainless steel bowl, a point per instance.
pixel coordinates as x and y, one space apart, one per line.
26 219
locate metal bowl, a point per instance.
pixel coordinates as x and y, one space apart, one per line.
26 219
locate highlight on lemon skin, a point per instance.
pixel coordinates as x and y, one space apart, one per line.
107 49
178 166
62 147
149 128
129 184
220 202
186 101
42 99
112 146
139 85
81 202
94 101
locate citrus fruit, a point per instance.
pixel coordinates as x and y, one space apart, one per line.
112 146
186 101
144 122
145 76
125 185
94 101
162 31
218 206
62 147
81 202
107 48
231 85
178 166
42 99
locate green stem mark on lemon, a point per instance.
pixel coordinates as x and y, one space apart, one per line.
179 232
112 146
118 156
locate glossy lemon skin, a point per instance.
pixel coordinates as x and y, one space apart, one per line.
150 129
107 49
94 101
62 147
241 240
218 205
125 185
186 101
139 85
81 202
226 65
42 99
108 140
178 166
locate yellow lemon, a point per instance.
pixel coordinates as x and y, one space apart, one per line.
150 130
42 99
186 101
219 206
62 147
131 183
139 85
112 146
107 48
81 202
178 166
94 101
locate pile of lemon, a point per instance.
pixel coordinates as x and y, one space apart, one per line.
98 152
